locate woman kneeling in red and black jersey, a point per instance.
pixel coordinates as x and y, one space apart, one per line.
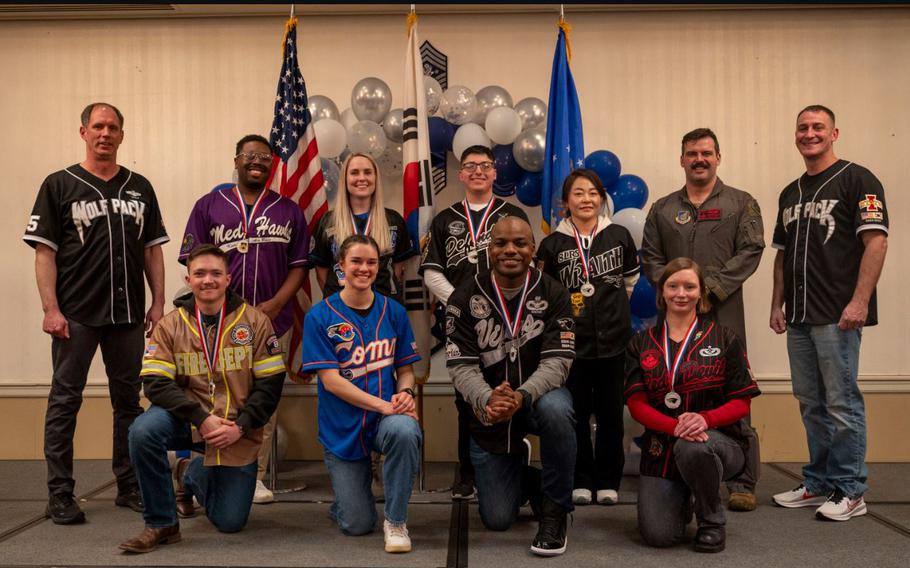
688 382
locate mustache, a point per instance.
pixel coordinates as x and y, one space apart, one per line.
700 165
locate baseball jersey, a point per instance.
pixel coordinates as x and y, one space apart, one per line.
713 370
476 335
278 241
99 230
450 241
366 350
324 252
603 323
819 222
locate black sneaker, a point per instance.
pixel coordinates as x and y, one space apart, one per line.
551 533
463 490
130 498
63 510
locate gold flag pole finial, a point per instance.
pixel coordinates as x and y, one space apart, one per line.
412 17
565 27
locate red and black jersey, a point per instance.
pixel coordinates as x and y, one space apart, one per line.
713 370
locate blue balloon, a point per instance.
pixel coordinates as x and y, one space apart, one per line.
629 192
637 325
221 186
530 188
643 301
438 160
441 135
605 164
508 172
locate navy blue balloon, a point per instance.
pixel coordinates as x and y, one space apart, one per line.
629 191
438 160
605 164
441 135
503 190
643 301
638 325
508 172
529 189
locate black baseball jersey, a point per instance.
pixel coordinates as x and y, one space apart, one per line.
324 253
450 241
603 321
99 230
476 335
713 371
819 220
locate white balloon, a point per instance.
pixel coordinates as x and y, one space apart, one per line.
322 107
492 97
469 135
533 112
331 137
348 119
503 125
434 94
529 149
609 206
458 105
393 125
367 137
633 220
371 99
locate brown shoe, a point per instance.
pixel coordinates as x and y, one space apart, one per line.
185 507
149 539
741 501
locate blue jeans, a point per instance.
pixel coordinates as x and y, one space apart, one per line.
398 438
225 492
824 363
499 476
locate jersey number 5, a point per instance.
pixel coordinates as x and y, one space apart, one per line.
33 223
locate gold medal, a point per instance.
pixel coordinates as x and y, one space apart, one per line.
243 247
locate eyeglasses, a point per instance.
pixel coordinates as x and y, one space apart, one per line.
254 156
471 167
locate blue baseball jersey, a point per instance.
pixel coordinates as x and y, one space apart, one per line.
366 350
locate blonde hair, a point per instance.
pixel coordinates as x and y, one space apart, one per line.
341 213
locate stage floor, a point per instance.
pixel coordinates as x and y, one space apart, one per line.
296 530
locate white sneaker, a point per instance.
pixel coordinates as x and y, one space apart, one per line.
581 496
396 537
799 497
839 507
607 496
262 494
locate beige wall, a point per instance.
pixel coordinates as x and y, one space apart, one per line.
191 87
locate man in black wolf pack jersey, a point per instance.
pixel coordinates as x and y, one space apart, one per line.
456 251
510 344
831 236
95 228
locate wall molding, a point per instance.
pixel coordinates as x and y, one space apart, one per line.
769 384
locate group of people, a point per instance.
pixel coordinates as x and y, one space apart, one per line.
538 339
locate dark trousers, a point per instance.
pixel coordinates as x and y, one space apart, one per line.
121 350
746 481
465 413
597 387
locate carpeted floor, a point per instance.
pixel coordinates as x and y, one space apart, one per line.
296 530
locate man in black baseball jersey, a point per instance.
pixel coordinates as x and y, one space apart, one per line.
720 228
95 228
455 253
510 341
831 236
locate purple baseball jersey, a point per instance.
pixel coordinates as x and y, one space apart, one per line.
278 241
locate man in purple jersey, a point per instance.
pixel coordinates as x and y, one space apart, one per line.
266 240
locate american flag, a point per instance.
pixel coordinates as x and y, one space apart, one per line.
296 169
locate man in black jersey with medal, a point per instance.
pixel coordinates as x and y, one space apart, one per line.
456 252
831 239
510 344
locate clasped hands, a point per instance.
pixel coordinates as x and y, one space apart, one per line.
219 432
402 403
504 402
692 427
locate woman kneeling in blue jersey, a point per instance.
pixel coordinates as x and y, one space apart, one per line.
361 346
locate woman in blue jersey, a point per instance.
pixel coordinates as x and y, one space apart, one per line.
361 346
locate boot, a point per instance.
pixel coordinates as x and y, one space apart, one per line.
185 507
551 533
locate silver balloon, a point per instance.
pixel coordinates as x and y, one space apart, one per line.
434 94
367 137
390 161
371 99
330 174
532 111
489 98
393 125
458 105
348 119
322 107
529 149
